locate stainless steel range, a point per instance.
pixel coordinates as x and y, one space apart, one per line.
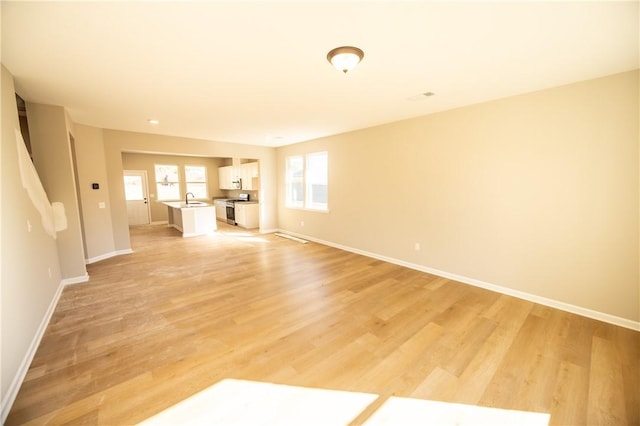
231 207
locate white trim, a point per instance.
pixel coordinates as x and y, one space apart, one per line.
269 231
75 280
107 256
567 307
12 392
159 222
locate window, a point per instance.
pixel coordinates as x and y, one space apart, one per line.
294 178
133 188
307 181
316 176
167 182
196 179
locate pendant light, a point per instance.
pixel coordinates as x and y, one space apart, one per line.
345 58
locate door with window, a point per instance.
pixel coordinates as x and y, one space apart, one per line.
136 193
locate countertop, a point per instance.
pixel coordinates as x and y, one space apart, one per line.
183 205
224 200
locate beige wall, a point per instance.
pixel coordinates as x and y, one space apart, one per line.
117 142
52 157
26 258
147 162
98 228
537 193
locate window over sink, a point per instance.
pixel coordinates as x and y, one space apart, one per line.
196 180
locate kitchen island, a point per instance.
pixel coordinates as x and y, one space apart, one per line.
192 219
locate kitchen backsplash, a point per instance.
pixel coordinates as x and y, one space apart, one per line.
235 193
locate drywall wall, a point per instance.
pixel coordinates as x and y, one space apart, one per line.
117 142
28 258
536 193
91 167
147 162
52 157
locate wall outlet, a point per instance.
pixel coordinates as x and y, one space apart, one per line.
29 227
302 223
101 205
416 246
50 276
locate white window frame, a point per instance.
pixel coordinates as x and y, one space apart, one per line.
205 182
160 181
310 180
304 182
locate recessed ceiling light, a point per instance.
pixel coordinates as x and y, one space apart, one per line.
153 121
421 96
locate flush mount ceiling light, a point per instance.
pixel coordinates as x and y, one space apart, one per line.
345 58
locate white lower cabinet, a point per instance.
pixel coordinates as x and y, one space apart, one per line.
191 221
247 215
221 210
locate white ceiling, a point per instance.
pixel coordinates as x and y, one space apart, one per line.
256 72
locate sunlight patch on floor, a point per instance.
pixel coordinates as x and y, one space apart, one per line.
242 402
236 233
254 239
408 411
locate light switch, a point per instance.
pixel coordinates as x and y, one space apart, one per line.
101 205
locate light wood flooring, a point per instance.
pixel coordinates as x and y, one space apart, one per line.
178 315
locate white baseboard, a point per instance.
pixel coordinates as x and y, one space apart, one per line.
567 307
107 256
14 387
268 231
159 222
75 280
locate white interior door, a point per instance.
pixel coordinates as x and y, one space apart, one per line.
136 193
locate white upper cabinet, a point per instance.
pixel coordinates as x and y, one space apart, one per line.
228 177
250 174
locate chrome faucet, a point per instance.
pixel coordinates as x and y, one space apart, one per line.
186 197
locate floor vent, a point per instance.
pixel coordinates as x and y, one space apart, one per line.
291 237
